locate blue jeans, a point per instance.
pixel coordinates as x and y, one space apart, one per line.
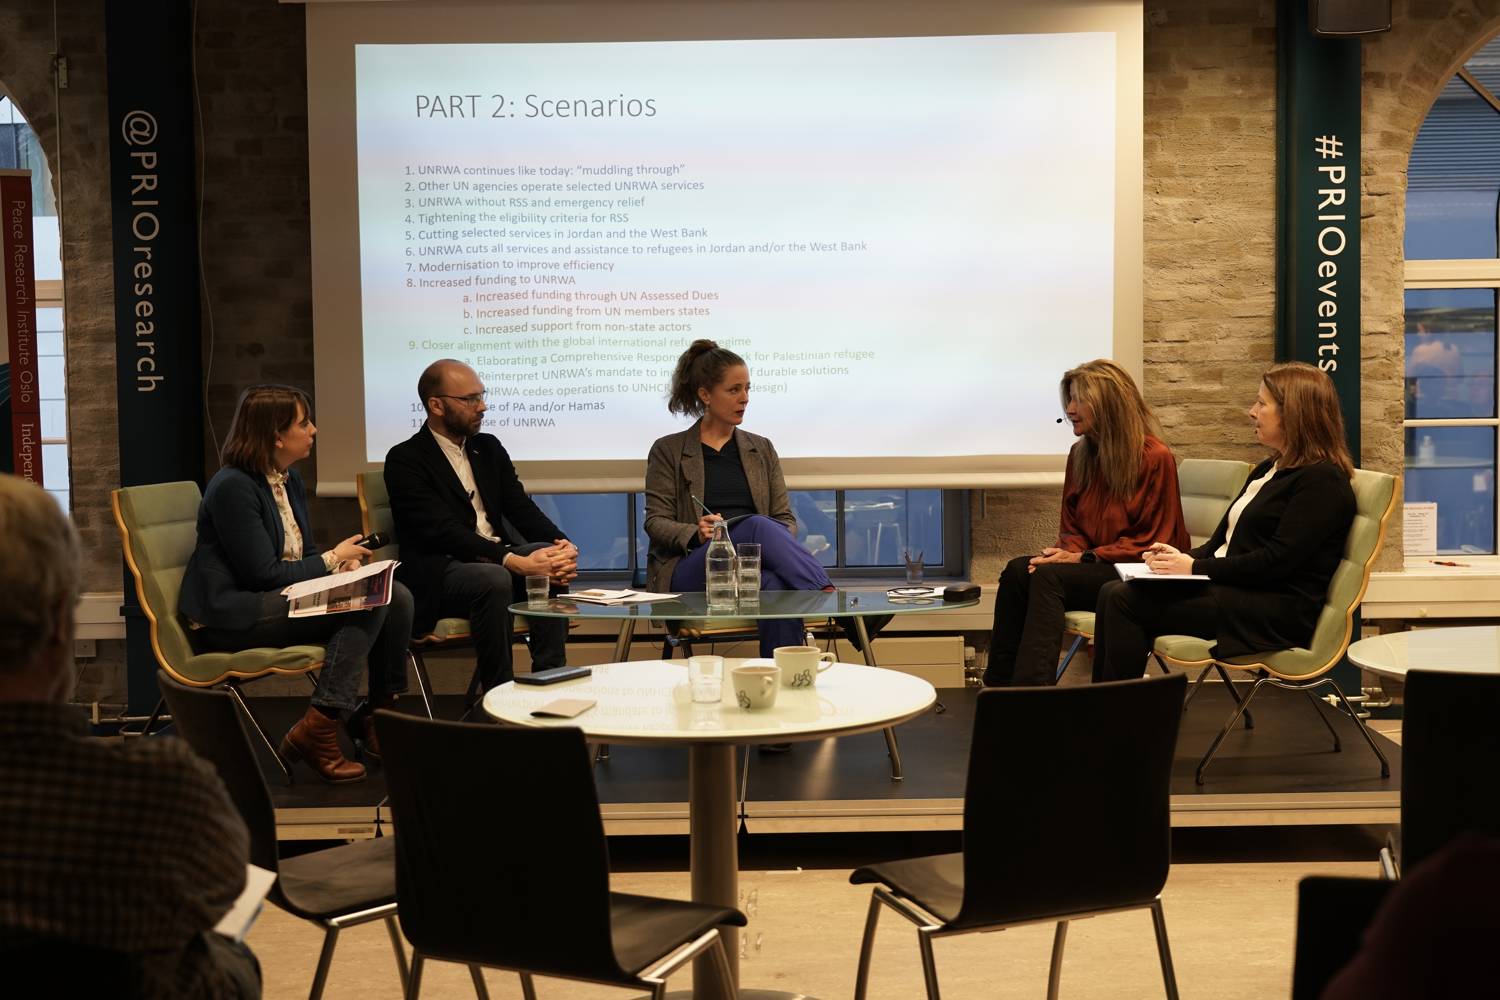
353 642
784 565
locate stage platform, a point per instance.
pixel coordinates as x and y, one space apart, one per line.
1283 772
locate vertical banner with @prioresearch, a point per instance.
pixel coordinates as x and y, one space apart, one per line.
880 226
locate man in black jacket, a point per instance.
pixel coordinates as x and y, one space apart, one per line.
469 533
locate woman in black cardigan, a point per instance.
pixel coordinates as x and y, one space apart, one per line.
255 538
1272 556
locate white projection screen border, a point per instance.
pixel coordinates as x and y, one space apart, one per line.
847 451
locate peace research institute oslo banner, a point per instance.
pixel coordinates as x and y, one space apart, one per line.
20 397
158 348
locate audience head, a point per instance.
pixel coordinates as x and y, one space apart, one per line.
1111 420
1297 415
452 396
39 569
703 367
271 429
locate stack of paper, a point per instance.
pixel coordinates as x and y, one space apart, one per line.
1140 571
615 596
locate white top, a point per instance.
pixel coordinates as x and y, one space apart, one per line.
1473 649
1238 507
647 701
459 459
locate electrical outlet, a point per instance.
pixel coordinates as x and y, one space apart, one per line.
85 649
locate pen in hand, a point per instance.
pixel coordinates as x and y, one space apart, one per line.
701 505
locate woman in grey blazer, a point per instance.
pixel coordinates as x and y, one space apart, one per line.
736 474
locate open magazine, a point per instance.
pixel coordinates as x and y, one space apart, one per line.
355 590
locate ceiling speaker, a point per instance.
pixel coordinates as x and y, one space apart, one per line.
1340 18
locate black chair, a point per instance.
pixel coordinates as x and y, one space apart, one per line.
534 897
337 887
1332 914
1450 754
1065 817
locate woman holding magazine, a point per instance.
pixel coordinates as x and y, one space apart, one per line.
254 539
1119 496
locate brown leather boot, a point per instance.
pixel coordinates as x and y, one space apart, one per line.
315 738
362 726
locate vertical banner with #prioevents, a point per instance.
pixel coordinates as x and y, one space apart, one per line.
25 402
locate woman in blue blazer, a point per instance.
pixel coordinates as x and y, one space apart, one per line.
254 539
1270 560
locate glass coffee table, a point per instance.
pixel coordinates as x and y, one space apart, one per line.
853 606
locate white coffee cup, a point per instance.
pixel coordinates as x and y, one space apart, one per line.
801 665
756 684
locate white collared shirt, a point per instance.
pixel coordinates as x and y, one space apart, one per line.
458 457
1239 506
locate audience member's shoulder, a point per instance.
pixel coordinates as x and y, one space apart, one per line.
172 762
228 478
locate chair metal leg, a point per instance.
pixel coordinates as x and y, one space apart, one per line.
424 683
866 946
1054 973
325 959
395 932
1193 687
1233 692
1312 700
414 984
929 963
155 717
1385 765
239 699
482 992
891 748
895 754
1229 727
1077 641
1163 949
721 962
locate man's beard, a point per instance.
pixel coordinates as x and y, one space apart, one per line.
461 426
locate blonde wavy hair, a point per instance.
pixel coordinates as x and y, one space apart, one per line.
1114 448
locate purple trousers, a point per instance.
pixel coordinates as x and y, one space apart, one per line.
784 565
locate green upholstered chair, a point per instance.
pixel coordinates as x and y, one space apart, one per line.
158 531
1299 669
1207 487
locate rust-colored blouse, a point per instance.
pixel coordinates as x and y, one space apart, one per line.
1119 531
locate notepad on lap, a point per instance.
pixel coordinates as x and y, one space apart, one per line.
1133 572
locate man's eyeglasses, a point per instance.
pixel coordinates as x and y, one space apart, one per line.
473 399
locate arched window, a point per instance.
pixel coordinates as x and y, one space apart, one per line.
20 150
1452 279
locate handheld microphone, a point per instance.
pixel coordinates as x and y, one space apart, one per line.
374 540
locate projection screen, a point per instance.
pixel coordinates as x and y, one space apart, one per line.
909 220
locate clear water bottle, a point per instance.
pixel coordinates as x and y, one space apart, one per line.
720 570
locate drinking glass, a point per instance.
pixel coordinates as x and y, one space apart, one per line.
748 574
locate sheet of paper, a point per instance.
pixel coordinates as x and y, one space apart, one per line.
1419 529
1140 571
236 923
597 596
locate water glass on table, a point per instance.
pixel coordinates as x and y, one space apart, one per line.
536 591
706 679
747 557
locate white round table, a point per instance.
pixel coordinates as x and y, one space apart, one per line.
647 702
1471 649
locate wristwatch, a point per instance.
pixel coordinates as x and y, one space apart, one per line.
1089 556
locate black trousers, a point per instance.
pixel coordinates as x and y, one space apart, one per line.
1029 613
1130 616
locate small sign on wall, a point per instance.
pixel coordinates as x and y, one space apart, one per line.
20 395
1419 529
